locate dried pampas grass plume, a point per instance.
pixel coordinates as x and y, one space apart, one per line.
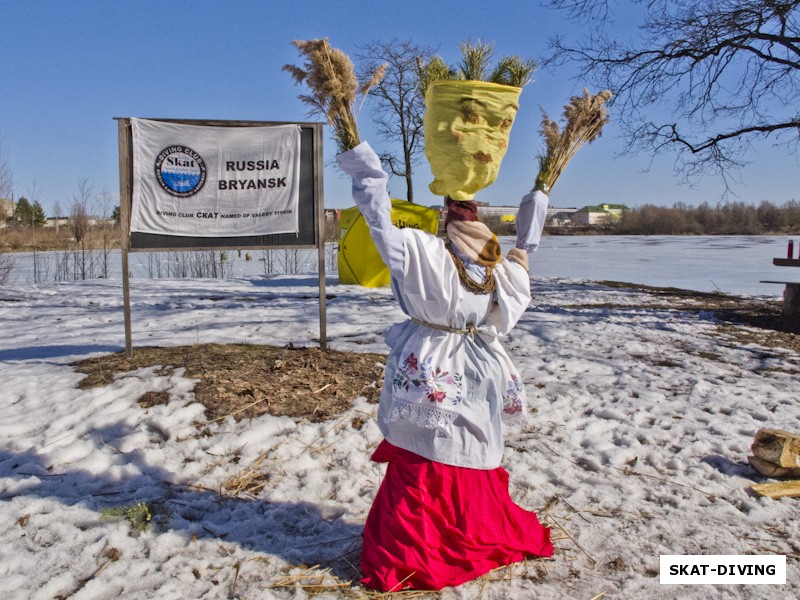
331 80
585 118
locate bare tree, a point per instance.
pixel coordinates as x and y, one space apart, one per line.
58 214
7 265
105 206
105 203
79 211
36 214
79 223
398 104
7 261
727 71
6 175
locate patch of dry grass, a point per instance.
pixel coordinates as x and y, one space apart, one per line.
245 381
24 239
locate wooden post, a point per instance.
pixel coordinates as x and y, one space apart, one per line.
126 301
319 199
791 305
125 194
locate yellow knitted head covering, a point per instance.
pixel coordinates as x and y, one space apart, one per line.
467 125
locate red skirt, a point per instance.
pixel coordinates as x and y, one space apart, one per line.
434 525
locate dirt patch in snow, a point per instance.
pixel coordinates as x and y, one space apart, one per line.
245 381
741 319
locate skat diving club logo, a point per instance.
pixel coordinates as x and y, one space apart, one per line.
180 171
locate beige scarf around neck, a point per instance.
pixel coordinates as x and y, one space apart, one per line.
475 241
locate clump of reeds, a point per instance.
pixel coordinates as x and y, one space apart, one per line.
334 87
584 116
475 65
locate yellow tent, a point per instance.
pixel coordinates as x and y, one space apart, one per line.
359 261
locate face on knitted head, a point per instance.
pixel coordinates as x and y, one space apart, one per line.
471 237
467 126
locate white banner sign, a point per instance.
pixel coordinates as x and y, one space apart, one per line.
191 180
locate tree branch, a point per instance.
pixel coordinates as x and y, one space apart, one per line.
706 62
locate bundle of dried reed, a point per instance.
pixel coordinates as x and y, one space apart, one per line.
331 80
585 118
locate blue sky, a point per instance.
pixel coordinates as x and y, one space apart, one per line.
67 69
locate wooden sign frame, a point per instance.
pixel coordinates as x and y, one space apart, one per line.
310 218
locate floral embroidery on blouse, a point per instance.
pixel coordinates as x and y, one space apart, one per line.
436 383
514 396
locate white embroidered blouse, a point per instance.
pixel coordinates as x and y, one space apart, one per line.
445 394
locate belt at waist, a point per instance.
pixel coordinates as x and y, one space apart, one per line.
469 330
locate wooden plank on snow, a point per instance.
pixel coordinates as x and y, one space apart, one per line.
772 470
790 489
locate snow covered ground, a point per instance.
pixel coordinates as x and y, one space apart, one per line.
642 418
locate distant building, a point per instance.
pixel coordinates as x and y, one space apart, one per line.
557 217
91 221
603 214
56 222
615 210
507 214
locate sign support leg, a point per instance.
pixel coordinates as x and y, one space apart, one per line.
126 301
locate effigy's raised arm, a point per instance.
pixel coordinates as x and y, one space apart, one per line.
531 217
370 195
584 119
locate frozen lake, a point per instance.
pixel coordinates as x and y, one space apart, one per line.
730 264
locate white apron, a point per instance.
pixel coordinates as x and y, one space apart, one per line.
445 394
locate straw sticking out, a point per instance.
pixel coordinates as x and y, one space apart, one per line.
475 65
330 77
585 118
